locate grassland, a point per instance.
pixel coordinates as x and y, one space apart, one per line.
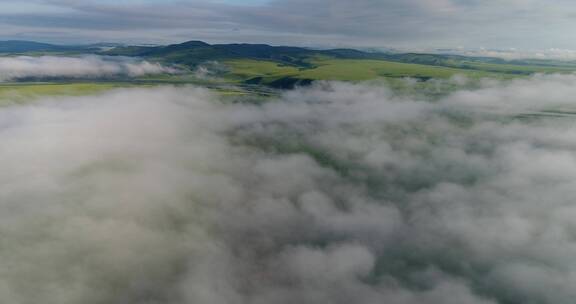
515 69
243 69
22 92
358 69
266 72
346 70
25 92
259 78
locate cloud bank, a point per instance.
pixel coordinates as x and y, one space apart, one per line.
337 193
12 68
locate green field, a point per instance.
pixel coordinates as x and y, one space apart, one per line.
346 70
357 70
516 69
22 92
260 78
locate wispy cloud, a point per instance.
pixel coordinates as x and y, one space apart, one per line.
12 68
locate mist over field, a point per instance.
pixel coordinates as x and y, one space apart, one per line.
336 193
87 66
287 152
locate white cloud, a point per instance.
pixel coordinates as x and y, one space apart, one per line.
337 193
12 68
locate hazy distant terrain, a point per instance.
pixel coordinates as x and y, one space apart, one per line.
286 67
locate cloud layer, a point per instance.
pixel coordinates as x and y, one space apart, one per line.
531 24
12 68
337 193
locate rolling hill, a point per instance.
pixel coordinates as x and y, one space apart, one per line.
285 66
20 46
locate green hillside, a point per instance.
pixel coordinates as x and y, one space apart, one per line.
275 74
20 92
284 67
18 46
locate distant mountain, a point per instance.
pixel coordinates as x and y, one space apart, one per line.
192 53
20 46
195 52
98 47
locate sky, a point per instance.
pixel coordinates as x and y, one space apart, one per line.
500 24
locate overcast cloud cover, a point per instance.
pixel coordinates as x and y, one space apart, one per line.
532 24
337 193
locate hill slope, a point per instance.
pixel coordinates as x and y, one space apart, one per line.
192 53
286 66
20 46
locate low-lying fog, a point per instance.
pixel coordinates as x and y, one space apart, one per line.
14 68
337 193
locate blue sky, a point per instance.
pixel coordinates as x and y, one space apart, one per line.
524 24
